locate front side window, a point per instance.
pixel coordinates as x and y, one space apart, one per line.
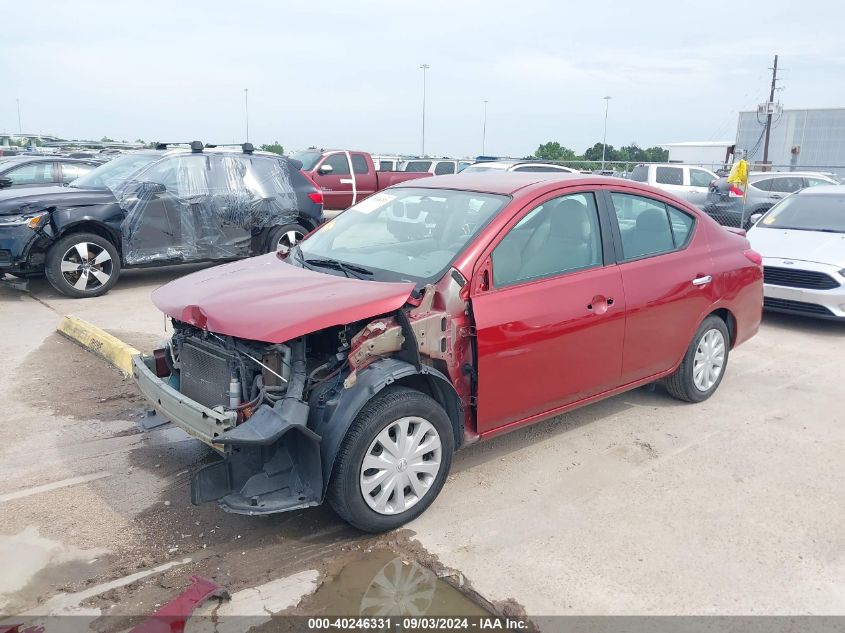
561 235
640 173
308 159
338 163
700 178
669 175
645 227
31 174
444 168
404 233
386 165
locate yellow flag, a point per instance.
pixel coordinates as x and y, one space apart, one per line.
739 173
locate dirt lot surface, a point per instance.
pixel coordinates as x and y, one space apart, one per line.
638 504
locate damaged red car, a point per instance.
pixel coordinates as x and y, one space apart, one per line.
432 315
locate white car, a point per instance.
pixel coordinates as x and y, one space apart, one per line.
802 241
684 181
436 166
500 166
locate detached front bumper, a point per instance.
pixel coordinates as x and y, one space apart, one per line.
271 462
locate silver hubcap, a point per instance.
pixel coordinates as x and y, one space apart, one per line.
288 240
709 360
86 266
401 465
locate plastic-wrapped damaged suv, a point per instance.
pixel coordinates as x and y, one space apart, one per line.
353 367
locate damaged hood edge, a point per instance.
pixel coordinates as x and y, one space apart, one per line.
266 299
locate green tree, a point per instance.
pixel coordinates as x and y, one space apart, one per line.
554 151
106 139
273 147
657 155
595 153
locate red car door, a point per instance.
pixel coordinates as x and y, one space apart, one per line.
666 270
333 175
550 321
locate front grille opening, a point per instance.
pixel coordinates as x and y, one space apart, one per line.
795 306
797 278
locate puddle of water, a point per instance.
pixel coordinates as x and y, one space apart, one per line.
33 565
382 583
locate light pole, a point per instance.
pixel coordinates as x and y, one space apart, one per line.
484 131
604 138
246 109
424 68
19 116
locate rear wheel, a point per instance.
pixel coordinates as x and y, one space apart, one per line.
704 364
393 461
284 238
82 265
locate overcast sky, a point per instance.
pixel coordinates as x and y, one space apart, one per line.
346 74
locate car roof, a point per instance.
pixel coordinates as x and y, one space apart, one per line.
823 190
783 174
507 183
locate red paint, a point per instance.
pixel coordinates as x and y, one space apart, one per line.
171 618
337 188
542 347
267 299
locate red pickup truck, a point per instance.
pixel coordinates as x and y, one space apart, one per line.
346 177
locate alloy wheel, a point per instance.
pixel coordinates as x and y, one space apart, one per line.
288 240
401 465
86 266
709 360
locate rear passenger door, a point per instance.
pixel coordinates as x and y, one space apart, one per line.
664 261
550 320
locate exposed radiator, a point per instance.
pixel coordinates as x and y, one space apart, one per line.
205 373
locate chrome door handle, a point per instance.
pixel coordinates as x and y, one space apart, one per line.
700 281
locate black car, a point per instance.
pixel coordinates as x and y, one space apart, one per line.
152 208
38 171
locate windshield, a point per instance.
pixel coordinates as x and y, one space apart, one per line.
808 213
308 159
114 172
409 234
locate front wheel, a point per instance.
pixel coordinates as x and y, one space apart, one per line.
393 461
704 364
82 265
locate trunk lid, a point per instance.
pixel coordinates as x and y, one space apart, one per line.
266 299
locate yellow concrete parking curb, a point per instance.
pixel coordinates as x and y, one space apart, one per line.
99 341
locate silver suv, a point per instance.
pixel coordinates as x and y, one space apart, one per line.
725 201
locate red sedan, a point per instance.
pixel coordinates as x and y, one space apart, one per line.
434 314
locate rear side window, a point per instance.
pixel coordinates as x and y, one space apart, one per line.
643 225
700 178
72 171
359 164
815 182
444 168
640 173
669 175
787 185
418 165
762 185
681 224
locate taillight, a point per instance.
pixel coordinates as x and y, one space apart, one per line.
735 192
316 197
754 257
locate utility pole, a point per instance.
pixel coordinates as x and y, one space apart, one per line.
769 109
484 131
19 116
424 68
604 138
246 109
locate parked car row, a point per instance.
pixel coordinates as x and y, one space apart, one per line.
38 170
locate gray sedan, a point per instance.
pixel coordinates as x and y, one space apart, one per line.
802 241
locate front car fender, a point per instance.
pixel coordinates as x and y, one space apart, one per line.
335 407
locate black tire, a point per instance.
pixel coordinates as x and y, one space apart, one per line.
345 494
64 281
279 233
681 384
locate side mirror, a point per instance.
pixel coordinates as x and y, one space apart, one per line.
5 183
755 218
151 188
325 169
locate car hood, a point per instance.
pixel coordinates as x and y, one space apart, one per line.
808 246
36 198
266 299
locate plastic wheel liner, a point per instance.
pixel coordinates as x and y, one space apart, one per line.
204 205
